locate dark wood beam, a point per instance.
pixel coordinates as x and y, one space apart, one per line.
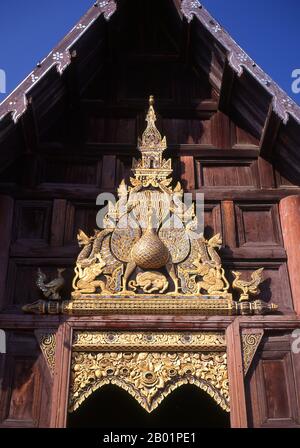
75 116
270 133
226 88
90 192
186 43
203 109
177 4
28 322
30 133
8 152
72 80
238 409
30 128
94 149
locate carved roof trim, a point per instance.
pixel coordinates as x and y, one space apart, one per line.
60 57
239 60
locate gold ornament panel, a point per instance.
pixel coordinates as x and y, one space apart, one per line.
149 377
250 343
153 237
47 343
155 341
150 256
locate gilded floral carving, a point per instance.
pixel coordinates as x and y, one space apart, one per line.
149 376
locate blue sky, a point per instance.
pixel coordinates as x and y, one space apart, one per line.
267 29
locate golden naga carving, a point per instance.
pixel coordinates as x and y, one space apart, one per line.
149 252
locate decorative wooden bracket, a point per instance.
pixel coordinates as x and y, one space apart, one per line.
250 339
47 342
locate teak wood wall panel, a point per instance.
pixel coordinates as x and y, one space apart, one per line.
21 279
26 386
273 389
47 228
84 143
258 224
226 173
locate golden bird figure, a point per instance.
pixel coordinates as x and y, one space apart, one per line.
52 288
247 287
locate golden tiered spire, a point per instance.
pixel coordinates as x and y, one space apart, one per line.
148 257
152 139
151 168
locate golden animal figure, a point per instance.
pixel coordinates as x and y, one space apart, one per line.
150 243
212 282
51 290
207 273
247 287
86 281
150 282
86 243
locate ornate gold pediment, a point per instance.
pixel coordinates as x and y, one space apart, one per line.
150 257
148 365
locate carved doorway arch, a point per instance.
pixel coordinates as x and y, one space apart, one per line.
112 407
148 365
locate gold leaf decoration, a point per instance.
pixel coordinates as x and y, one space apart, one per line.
149 377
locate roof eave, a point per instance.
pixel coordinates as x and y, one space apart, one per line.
60 58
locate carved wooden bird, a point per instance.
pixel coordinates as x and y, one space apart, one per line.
52 288
247 287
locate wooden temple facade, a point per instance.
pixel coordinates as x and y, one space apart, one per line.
151 317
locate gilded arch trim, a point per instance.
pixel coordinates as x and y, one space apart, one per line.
149 366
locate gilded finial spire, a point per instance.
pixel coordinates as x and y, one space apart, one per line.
151 138
151 168
151 100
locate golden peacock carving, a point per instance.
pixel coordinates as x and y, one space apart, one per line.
154 232
247 287
51 290
150 255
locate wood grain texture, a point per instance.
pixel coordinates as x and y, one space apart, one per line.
26 386
238 412
272 387
6 222
78 139
290 222
59 405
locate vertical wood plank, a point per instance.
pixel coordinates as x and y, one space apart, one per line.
108 172
187 172
266 174
29 176
6 221
221 131
59 408
58 222
238 412
228 218
289 209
